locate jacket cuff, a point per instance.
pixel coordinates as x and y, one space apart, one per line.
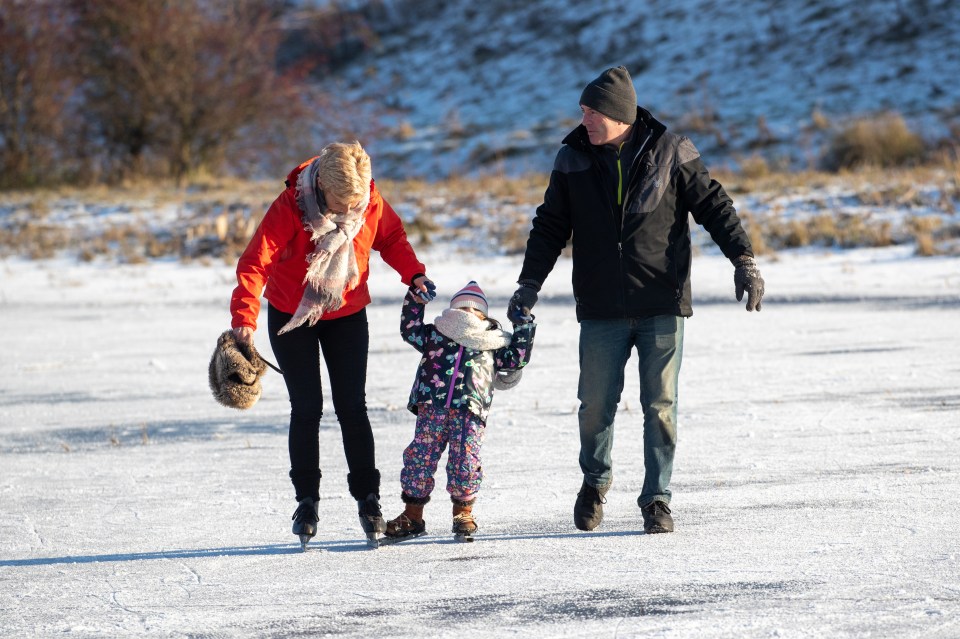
534 284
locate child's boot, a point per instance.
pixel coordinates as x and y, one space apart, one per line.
464 525
409 524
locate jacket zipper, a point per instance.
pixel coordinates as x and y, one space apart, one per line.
633 175
453 378
623 213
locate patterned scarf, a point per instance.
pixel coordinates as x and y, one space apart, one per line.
332 264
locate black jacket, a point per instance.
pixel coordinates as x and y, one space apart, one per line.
630 260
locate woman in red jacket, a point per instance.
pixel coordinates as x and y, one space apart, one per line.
309 258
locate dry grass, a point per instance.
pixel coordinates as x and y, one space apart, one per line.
216 219
882 141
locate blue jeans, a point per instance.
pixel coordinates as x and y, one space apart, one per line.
605 347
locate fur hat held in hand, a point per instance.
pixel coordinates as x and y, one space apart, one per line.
235 372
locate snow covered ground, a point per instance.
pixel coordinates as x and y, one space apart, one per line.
815 488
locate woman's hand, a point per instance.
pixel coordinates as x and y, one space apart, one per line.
244 334
424 288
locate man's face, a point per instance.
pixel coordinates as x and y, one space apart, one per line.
601 129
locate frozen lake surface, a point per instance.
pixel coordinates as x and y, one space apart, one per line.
815 487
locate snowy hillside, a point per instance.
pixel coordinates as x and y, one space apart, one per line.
495 85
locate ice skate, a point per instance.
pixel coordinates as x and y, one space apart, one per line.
464 525
305 521
408 525
371 519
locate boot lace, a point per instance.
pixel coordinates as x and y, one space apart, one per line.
464 518
370 507
306 513
591 494
657 508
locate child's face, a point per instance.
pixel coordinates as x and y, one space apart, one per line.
472 311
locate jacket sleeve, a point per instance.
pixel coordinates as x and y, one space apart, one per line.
709 203
276 229
550 231
516 354
392 244
412 328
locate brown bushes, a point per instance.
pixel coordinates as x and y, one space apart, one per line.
882 141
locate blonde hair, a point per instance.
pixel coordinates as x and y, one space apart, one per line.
344 170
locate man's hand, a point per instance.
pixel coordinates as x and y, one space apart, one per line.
747 278
424 289
518 309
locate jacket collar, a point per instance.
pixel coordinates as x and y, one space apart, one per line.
578 137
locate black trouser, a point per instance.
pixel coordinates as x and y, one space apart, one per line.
344 342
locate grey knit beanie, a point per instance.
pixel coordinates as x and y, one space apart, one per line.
613 95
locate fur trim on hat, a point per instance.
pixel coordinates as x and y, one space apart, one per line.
235 371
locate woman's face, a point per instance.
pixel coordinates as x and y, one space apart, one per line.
339 206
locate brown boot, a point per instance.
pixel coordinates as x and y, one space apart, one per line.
407 525
464 525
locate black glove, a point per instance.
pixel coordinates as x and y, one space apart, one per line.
747 278
518 309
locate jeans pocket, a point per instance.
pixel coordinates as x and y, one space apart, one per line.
668 333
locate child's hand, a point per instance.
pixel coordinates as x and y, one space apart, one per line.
423 289
523 320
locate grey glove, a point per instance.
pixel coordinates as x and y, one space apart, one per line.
518 309
747 278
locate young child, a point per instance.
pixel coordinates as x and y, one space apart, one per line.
465 356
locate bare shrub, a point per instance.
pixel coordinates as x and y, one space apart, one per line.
35 87
881 141
926 246
755 232
819 120
754 166
171 85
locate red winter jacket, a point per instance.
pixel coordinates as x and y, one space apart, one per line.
276 257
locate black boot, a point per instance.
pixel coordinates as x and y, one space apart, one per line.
371 518
305 520
656 518
588 510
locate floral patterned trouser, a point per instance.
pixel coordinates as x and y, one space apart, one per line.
436 427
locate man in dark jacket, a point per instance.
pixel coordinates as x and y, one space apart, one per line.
622 187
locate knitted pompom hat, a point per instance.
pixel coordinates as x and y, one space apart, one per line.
470 296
